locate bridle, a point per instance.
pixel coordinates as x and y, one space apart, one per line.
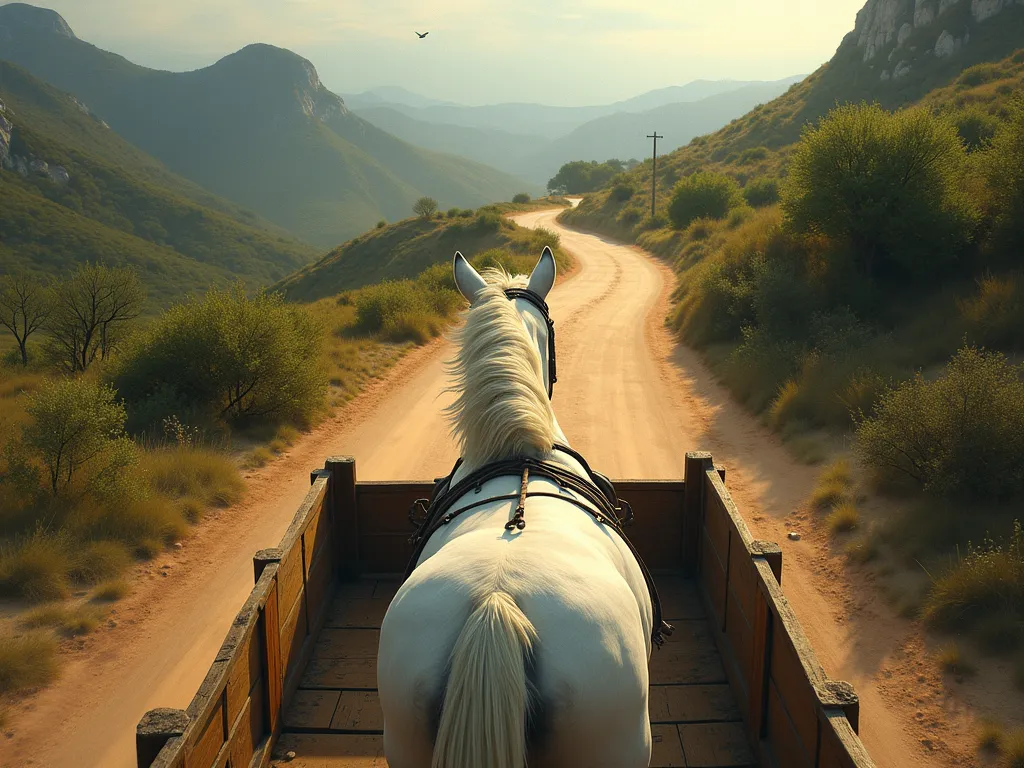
525 293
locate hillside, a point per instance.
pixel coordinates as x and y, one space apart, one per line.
405 249
54 155
257 127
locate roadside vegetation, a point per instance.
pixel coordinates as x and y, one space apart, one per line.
865 283
119 431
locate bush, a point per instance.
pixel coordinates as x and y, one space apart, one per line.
381 224
622 192
425 207
843 518
962 434
406 310
27 661
99 561
753 155
111 591
35 567
995 314
227 357
76 422
761 192
182 472
975 126
708 195
979 74
1003 166
68 621
522 197
889 185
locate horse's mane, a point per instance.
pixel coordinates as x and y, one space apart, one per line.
502 409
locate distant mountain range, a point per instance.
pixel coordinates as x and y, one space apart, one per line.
258 128
567 133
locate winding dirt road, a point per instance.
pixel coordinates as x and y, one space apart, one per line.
628 398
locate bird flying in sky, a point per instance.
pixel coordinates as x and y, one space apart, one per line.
424 34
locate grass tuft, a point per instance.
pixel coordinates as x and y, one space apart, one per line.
101 560
27 661
990 736
1013 749
111 591
209 477
843 518
951 659
70 621
260 457
35 568
833 486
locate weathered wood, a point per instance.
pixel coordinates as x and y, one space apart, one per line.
358 711
696 467
209 736
345 508
693 703
355 612
273 669
679 599
332 750
156 728
840 746
347 644
688 656
340 673
760 654
716 745
311 710
265 557
666 749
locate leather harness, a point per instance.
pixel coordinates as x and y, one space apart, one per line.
598 500
597 497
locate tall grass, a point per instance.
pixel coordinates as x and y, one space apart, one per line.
27 661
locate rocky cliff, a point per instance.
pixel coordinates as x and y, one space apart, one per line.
893 37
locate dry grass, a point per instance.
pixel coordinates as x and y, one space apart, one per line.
843 518
27 661
951 659
259 457
990 736
101 560
207 476
1013 749
863 549
111 591
69 621
35 568
833 486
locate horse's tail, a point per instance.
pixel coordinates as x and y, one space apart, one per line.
483 716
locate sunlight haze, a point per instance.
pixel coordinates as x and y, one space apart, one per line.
566 52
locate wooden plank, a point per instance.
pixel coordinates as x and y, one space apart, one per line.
316 537
340 673
208 740
386 589
697 464
383 508
688 656
693 704
717 527
794 687
666 749
679 598
347 643
319 583
311 710
713 580
840 745
293 633
760 655
290 578
345 506
782 734
716 745
244 670
332 750
311 505
740 643
349 612
155 733
358 711
273 670
243 740
742 577
385 552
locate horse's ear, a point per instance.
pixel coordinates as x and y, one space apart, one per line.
543 278
467 279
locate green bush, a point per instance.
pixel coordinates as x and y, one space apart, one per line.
228 357
1003 166
407 310
975 126
891 185
622 192
761 192
381 224
522 197
979 74
425 207
753 155
707 195
995 314
962 434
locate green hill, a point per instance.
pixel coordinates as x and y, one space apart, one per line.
407 248
257 127
117 203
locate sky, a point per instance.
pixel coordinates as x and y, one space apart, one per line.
560 52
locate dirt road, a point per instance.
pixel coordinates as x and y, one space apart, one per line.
628 398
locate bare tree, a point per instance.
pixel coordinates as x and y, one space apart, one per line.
425 207
25 305
91 310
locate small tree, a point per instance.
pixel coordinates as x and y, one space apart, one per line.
25 305
522 197
91 312
703 195
227 356
74 421
1003 165
890 185
761 192
425 207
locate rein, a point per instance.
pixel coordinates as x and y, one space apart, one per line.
598 500
524 293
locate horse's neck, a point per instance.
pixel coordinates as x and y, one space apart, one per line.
559 457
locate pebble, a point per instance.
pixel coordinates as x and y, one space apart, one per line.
793 536
178 545
289 756
927 743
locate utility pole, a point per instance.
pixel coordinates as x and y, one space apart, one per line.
654 172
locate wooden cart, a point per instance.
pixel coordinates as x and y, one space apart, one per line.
294 682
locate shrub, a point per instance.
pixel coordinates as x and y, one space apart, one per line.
833 485
425 207
26 661
951 659
487 221
990 737
979 74
75 422
1003 167
381 224
228 357
975 126
988 581
181 472
753 154
889 185
761 192
622 192
1013 749
35 567
962 434
703 194
522 197
111 591
843 518
67 620
99 561
995 314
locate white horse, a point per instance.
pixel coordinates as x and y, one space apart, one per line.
511 645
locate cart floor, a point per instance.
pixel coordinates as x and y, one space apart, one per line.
335 721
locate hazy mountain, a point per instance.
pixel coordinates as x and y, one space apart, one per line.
73 190
676 94
257 127
624 135
390 94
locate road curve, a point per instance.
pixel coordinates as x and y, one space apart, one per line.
625 399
